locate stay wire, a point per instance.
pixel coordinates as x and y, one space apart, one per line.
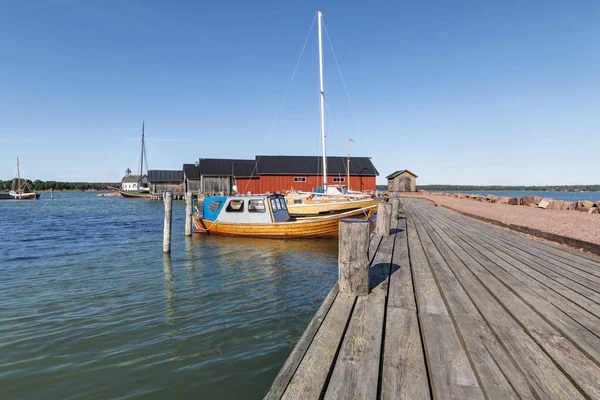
343 81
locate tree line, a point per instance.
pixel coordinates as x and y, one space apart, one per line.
39 185
472 188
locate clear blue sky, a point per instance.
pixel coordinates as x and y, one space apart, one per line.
460 92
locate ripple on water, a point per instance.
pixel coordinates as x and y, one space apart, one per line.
91 309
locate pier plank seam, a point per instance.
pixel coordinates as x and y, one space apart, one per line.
543 376
539 285
356 370
451 372
495 371
575 365
563 254
584 339
571 286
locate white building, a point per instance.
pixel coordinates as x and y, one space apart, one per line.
134 183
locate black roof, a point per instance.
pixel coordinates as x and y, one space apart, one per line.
225 167
191 171
131 178
395 174
313 165
155 175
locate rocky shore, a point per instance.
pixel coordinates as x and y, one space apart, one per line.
529 201
578 220
111 194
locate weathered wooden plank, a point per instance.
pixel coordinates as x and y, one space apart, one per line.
401 293
309 380
545 295
404 375
499 376
428 296
293 361
579 294
451 374
356 371
579 369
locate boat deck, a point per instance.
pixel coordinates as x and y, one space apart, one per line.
457 309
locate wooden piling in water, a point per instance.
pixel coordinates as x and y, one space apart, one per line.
51 194
353 262
384 219
188 213
168 200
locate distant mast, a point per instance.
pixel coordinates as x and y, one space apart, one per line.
18 179
143 148
322 97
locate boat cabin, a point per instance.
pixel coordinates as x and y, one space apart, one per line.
246 209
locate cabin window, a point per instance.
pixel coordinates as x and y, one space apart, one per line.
274 205
339 179
299 179
282 205
235 206
214 205
256 206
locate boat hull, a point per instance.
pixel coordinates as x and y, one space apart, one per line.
326 226
327 207
24 196
135 195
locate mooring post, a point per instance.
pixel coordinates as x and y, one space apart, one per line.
395 208
51 194
353 263
168 200
188 213
384 219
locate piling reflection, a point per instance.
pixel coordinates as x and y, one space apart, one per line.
170 311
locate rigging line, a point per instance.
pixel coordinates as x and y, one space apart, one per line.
292 78
343 81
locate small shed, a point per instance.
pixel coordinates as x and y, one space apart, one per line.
402 181
166 181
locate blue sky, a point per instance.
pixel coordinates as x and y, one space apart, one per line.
462 92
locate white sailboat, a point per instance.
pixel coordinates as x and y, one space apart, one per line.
334 199
22 190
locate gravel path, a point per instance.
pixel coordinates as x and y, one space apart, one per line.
574 224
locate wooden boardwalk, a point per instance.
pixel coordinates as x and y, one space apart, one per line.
457 309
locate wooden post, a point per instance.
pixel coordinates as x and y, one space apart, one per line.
168 200
51 194
188 214
353 263
384 219
395 208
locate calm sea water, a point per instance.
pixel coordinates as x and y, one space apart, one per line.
90 308
567 196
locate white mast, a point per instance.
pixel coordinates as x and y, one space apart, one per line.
322 96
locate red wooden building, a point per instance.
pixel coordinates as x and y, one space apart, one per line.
281 173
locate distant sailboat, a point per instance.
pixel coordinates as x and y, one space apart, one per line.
21 190
136 186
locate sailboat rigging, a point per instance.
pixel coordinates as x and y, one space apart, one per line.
136 186
333 199
22 190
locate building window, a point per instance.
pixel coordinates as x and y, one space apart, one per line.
299 179
235 206
339 179
256 206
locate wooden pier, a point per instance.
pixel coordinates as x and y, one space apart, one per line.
456 310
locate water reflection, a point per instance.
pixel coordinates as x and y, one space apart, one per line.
169 296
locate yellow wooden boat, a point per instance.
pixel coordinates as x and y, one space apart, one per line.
266 216
314 206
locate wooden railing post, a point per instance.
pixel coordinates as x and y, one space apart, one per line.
384 219
353 263
188 213
395 208
168 200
